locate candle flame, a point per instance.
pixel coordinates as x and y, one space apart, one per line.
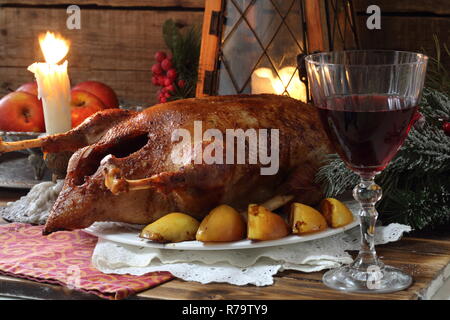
54 47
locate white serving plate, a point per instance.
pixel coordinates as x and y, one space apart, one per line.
129 234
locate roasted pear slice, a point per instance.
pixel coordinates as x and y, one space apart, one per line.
265 225
304 219
222 224
173 227
335 212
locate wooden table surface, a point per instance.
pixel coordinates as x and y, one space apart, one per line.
425 255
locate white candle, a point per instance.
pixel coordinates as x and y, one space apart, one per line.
263 81
53 84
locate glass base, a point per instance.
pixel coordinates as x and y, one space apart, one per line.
374 280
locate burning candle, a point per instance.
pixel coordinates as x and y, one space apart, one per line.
263 81
53 83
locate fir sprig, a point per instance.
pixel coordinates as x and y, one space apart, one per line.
427 207
438 73
185 48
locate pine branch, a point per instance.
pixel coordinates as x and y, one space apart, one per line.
335 177
427 207
438 76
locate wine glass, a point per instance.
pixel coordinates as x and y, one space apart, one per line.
366 101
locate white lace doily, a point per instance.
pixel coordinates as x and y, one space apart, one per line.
35 206
239 267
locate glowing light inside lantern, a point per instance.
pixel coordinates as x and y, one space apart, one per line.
264 81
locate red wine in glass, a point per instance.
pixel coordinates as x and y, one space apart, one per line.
367 101
367 130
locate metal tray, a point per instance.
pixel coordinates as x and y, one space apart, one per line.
16 170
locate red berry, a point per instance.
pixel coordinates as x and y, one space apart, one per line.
161 80
163 90
156 69
167 82
181 83
155 80
166 64
167 94
160 56
171 74
163 99
446 128
170 88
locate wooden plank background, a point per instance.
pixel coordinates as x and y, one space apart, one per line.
406 25
118 39
115 45
112 3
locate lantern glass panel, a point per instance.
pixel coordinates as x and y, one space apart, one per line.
240 54
242 4
232 15
260 42
284 5
264 20
294 23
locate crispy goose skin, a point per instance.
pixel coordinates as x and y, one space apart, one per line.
140 147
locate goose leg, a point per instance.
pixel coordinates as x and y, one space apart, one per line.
20 145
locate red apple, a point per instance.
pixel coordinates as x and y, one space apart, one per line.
105 93
21 111
82 105
30 87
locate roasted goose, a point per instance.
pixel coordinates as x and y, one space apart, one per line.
125 171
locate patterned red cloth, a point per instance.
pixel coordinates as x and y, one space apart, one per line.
65 258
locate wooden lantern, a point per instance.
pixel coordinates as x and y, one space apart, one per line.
254 46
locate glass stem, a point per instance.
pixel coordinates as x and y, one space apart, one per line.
367 193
